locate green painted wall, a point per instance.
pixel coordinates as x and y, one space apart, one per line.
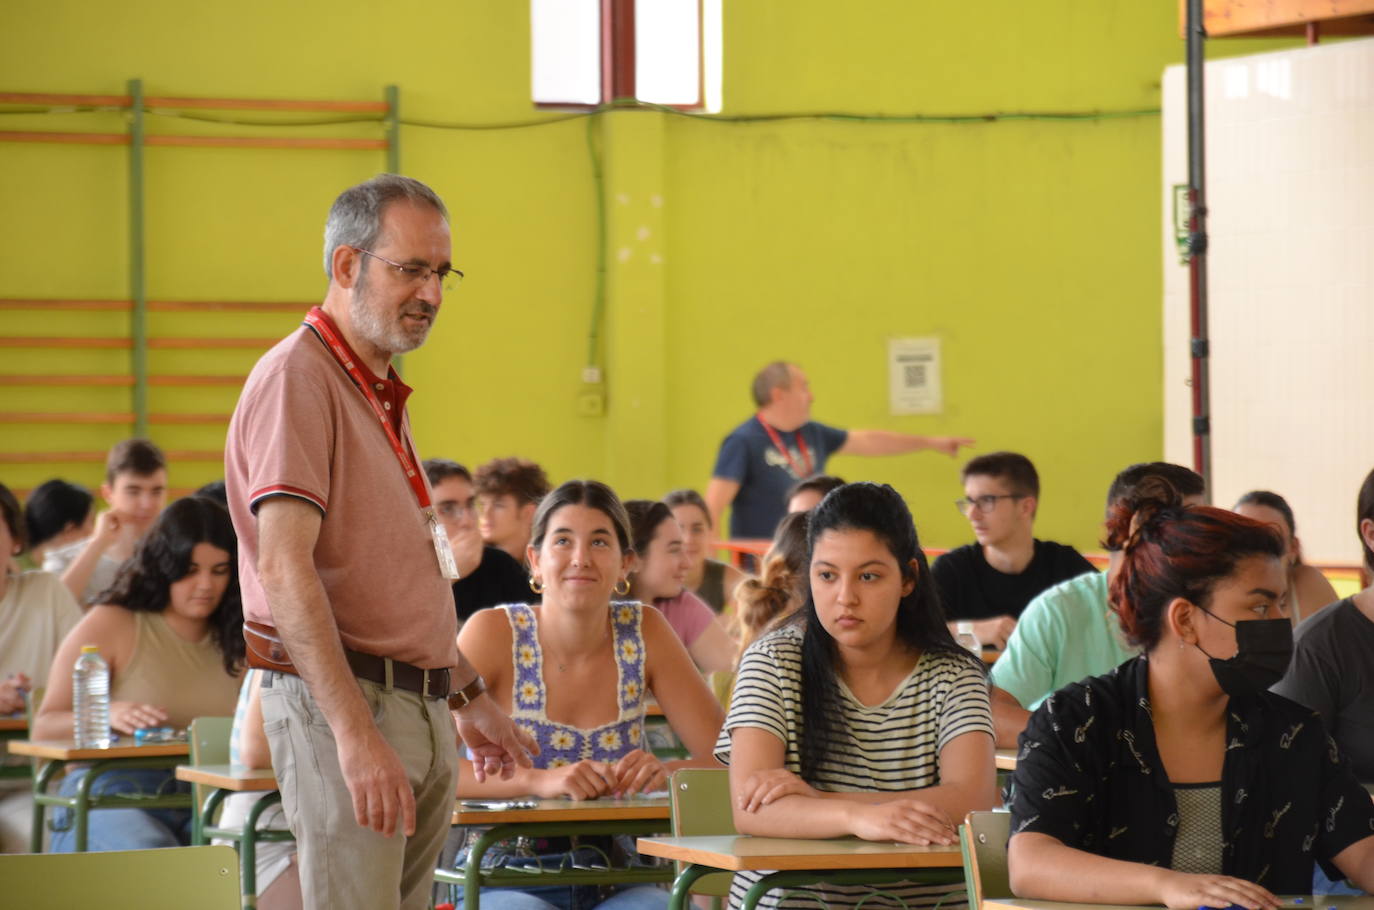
1031 248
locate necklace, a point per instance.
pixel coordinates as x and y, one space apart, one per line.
562 668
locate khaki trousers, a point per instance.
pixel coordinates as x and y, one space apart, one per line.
342 864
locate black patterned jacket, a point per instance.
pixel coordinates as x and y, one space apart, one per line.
1089 774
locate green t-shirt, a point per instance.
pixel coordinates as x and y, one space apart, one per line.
1066 633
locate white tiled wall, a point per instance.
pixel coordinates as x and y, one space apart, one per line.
1290 170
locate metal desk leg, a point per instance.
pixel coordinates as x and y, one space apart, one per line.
205 815
681 896
40 786
472 869
248 849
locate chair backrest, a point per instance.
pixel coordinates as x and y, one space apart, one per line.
983 839
209 742
168 879
700 799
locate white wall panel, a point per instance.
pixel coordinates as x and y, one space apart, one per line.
1290 167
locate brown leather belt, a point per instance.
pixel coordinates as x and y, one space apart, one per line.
267 652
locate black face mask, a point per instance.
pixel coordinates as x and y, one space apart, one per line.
1264 648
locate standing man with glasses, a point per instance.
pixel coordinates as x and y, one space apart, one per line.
991 580
346 571
487 576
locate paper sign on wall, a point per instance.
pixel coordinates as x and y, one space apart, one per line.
914 375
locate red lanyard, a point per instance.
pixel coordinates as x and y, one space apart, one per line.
787 453
335 344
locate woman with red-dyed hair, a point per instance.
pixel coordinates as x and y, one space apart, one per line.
1178 778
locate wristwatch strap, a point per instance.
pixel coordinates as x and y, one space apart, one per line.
465 696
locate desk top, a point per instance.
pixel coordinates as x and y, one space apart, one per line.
568 810
1290 902
1005 760
9 724
737 853
66 750
229 777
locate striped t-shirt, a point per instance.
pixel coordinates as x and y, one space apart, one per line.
894 745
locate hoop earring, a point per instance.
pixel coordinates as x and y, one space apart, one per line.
536 586
622 591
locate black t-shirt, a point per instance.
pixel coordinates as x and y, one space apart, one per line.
1332 674
1088 773
498 579
972 589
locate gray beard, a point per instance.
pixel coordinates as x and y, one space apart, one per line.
388 338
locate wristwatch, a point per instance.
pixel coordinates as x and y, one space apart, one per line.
465 696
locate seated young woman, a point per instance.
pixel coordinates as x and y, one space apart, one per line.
575 669
1308 589
861 716
658 571
171 631
709 579
1178 778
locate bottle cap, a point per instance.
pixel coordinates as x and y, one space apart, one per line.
90 649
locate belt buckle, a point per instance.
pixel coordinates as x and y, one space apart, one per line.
424 684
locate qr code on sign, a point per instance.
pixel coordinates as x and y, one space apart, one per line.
915 375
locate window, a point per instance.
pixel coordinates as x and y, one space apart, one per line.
590 52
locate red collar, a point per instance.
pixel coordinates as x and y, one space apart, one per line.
372 378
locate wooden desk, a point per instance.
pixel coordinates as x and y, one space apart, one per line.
568 810
14 724
795 862
221 781
57 754
1005 760
233 778
635 817
1290 902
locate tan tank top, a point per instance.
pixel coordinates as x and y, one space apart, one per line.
186 679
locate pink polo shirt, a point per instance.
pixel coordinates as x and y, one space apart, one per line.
303 429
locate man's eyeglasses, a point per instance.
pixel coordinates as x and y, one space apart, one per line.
453 510
983 504
449 279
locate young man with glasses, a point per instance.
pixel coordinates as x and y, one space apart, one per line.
991 580
487 576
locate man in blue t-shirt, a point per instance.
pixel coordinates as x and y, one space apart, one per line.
764 456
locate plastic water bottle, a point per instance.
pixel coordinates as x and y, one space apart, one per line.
966 638
91 700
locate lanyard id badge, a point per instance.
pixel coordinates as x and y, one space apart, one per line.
448 566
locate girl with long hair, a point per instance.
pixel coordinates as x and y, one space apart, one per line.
658 572
575 671
170 630
893 740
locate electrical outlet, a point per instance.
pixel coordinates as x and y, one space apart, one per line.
591 402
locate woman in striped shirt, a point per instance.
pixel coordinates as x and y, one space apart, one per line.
862 716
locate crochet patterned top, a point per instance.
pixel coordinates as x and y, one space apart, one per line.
563 744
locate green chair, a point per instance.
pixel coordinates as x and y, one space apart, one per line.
700 799
983 840
171 879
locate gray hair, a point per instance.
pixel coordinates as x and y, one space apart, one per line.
355 218
774 376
